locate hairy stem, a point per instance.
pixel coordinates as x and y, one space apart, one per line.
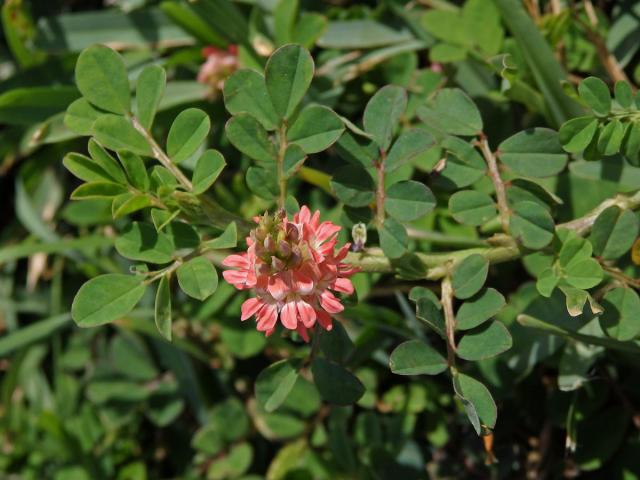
498 184
436 264
446 298
162 157
282 179
379 165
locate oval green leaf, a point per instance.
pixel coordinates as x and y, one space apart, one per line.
416 358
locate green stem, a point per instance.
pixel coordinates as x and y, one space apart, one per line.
496 178
446 298
380 195
282 179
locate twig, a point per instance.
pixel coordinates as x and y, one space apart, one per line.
162 157
380 195
446 298
374 260
498 184
607 59
282 151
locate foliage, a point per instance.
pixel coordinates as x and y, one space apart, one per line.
482 157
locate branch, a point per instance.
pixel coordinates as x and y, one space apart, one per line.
446 298
437 264
282 151
379 166
498 184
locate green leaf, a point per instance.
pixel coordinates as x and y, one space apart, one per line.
575 299
233 464
117 133
198 278
228 239
85 168
163 308
532 225
429 311
102 79
486 341
97 190
246 91
547 282
471 207
479 308
294 158
353 186
610 138
263 182
469 276
207 170
479 397
34 332
407 147
149 91
584 273
576 134
383 112
409 200
315 129
416 358
393 238
288 74
336 344
136 171
140 241
367 33
250 137
106 298
274 384
614 232
452 111
106 162
128 203
533 153
309 28
574 249
631 146
595 93
620 317
623 94
80 116
463 165
336 384
188 131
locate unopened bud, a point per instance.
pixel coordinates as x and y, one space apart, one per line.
359 235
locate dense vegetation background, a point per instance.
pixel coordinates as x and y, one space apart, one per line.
120 401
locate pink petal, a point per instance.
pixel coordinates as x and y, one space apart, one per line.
330 303
250 307
306 313
303 215
324 319
343 285
267 318
277 287
327 230
235 278
315 219
303 284
237 261
303 333
289 316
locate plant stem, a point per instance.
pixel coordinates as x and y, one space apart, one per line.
446 298
438 238
162 157
436 264
379 165
282 179
498 184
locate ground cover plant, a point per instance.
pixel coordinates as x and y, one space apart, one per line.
318 240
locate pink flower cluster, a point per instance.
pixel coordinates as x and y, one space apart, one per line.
293 266
218 66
